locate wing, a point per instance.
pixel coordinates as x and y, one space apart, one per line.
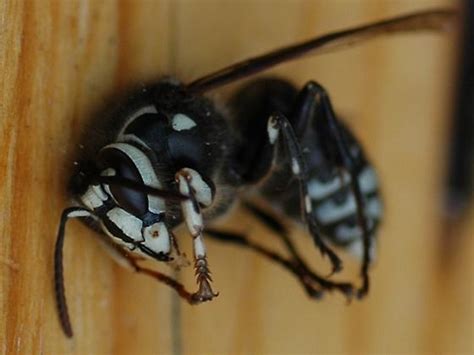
431 20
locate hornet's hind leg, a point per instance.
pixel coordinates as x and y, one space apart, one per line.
305 272
314 284
336 149
279 128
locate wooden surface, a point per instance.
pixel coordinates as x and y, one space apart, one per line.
59 61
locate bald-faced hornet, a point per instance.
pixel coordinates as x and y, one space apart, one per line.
166 156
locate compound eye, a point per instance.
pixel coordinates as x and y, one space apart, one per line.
133 201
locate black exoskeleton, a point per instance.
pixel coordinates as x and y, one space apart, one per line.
167 156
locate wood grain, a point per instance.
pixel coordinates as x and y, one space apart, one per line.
61 60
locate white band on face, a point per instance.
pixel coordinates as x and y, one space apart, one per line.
94 197
130 225
157 238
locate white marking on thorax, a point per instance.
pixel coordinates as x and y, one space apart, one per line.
130 225
157 238
94 197
181 122
146 171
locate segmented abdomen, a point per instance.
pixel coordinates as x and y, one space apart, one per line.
335 209
333 203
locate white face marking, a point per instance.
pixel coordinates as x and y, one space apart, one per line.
181 122
157 238
99 192
80 213
147 173
130 225
199 247
94 197
133 116
202 190
295 166
117 240
192 219
307 204
272 130
319 190
329 212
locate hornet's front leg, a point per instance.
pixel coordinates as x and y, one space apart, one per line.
191 184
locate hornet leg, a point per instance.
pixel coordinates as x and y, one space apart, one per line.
336 147
191 184
279 126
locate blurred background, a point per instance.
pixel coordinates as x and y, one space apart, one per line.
408 98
